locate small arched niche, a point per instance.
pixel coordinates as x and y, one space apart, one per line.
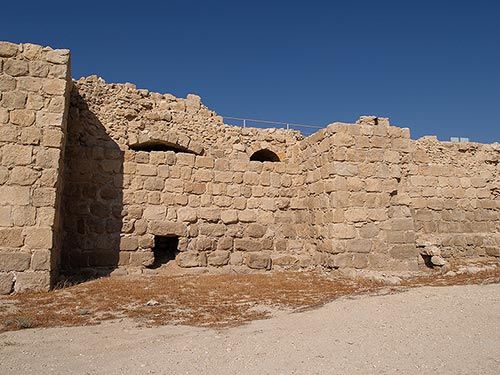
159 146
264 155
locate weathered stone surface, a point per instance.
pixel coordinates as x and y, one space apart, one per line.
438 261
8 49
59 56
40 260
258 260
11 237
141 258
39 238
189 260
218 258
16 68
255 230
14 261
6 282
167 228
27 281
358 195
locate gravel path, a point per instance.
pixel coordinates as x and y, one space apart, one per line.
429 330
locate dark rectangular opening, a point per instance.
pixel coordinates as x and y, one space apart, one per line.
165 250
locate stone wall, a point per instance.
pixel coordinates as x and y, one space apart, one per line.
149 178
359 215
224 208
34 87
455 198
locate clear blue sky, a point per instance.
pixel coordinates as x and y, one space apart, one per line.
433 66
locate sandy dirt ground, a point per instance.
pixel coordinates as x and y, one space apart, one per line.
427 330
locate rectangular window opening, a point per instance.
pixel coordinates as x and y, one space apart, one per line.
165 250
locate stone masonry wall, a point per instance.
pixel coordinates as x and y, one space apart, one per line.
225 209
34 87
455 198
141 168
359 215
332 201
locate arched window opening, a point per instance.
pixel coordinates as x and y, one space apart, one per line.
159 146
264 155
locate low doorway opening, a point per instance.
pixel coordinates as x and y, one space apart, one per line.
165 250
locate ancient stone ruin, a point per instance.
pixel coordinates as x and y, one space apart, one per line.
100 178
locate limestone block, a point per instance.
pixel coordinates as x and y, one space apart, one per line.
187 214
16 154
343 260
255 230
46 119
16 68
202 243
204 162
45 216
8 49
209 214
218 258
284 260
129 243
23 176
243 244
359 245
141 259
360 261
32 281
31 136
229 216
356 215
29 84
58 56
408 251
162 228
5 216
212 230
52 138
43 197
38 238
40 260
147 241
197 188
7 83
14 100
34 101
225 243
14 261
4 117
146 170
246 216
184 159
188 259
193 103
54 86
158 213
23 215
6 282
58 71
258 260
38 69
14 195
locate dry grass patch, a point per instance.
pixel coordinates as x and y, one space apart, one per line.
205 300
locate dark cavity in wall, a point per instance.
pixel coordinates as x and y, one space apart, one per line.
264 155
159 146
165 250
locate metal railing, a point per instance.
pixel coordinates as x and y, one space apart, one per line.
244 122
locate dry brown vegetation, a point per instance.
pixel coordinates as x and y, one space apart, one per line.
203 300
